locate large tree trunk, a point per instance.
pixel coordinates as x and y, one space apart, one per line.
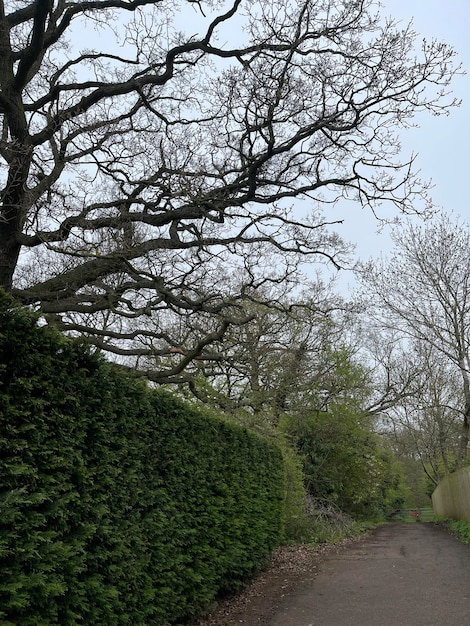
9 252
12 212
15 126
464 438
443 441
465 432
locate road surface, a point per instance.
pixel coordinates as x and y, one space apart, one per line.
401 575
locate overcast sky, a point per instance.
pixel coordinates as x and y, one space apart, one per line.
442 143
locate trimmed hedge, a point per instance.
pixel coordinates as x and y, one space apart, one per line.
118 504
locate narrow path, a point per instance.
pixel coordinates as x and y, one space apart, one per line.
401 575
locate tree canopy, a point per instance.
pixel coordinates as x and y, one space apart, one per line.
145 155
423 293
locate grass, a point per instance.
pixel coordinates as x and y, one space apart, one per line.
459 528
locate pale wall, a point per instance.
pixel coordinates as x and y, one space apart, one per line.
451 498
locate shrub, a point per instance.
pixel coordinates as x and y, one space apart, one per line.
461 529
118 504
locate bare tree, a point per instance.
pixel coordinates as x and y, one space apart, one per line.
428 424
139 166
286 360
424 293
394 374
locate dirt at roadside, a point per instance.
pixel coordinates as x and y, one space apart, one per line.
289 568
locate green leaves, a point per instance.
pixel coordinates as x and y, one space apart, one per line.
345 463
118 504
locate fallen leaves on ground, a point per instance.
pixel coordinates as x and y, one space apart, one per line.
289 568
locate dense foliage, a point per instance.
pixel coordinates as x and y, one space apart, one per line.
119 505
459 528
345 463
293 376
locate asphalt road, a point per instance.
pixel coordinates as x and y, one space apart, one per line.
401 575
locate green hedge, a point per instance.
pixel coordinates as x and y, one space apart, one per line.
118 505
